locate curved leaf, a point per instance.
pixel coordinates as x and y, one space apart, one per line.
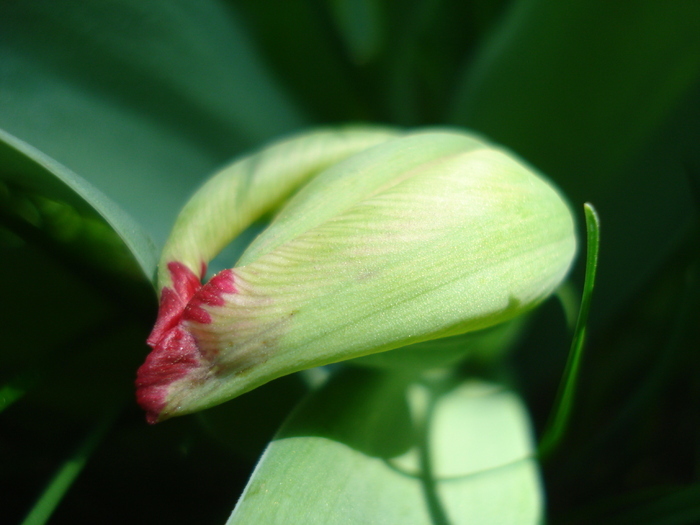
79 265
29 169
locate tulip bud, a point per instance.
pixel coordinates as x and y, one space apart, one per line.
394 240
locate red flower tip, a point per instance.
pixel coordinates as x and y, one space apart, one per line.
174 300
172 358
176 353
211 294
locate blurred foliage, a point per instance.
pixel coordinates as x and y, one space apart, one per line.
144 100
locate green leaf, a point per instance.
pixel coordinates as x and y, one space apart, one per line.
248 423
540 61
15 389
65 476
140 98
34 174
674 506
80 267
564 403
375 447
425 46
360 26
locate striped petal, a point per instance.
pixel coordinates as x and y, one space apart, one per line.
412 238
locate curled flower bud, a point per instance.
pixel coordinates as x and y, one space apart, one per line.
393 239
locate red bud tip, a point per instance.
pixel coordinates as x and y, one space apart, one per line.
175 352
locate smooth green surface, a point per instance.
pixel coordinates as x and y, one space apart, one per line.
359 22
373 447
11 392
672 506
300 41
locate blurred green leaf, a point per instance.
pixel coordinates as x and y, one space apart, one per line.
15 389
677 506
425 45
299 40
65 476
635 430
372 447
248 423
581 107
580 89
360 26
657 505
140 98
53 307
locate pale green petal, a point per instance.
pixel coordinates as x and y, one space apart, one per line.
359 177
426 236
250 187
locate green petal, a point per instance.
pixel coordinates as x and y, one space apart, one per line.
247 189
425 236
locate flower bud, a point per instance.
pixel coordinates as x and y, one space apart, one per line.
394 240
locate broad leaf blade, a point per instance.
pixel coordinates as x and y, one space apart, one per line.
369 448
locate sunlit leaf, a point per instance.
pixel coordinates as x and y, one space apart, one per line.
374 447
